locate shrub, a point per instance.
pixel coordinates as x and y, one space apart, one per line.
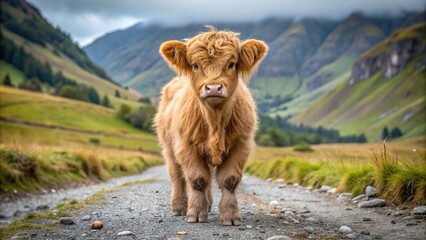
303 147
95 141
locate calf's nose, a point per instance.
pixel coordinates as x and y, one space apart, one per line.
213 89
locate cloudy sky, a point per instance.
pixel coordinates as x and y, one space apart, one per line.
86 20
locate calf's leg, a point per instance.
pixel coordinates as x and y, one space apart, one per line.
198 178
179 196
228 176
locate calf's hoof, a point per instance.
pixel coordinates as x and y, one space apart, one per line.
179 213
196 216
230 218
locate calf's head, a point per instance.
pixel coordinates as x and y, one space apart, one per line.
214 61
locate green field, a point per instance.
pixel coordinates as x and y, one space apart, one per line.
55 120
66 141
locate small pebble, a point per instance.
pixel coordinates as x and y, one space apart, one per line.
249 227
372 203
393 222
370 191
125 233
86 218
262 231
66 221
274 202
55 212
420 210
182 233
312 219
279 238
365 232
279 180
241 228
42 207
345 230
97 225
308 229
325 188
225 234
351 236
366 219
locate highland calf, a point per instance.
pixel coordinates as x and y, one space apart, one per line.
206 120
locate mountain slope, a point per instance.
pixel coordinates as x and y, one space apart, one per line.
24 26
386 88
298 51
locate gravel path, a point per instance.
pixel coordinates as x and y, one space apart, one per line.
142 212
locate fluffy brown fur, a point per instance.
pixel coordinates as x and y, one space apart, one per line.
206 120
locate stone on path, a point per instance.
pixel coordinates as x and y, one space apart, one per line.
279 180
372 203
324 188
66 221
420 210
125 233
359 198
279 238
345 230
370 191
97 225
308 229
86 218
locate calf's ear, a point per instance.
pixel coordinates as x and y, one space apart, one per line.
251 54
174 53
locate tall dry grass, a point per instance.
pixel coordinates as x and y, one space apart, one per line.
399 179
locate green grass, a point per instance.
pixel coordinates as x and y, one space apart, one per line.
400 181
336 72
47 221
15 75
55 111
276 86
30 168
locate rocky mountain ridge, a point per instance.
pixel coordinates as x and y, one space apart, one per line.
298 50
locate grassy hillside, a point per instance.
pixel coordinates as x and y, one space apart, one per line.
312 88
25 27
370 105
46 119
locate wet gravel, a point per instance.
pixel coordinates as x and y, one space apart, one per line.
143 212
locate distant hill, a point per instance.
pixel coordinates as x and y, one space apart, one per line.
299 52
386 89
33 48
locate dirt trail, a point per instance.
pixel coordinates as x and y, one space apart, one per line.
267 209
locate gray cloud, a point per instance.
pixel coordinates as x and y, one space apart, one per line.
87 19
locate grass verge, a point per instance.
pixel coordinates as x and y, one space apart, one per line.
31 167
47 221
400 181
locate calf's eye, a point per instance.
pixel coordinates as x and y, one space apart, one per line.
195 66
231 65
